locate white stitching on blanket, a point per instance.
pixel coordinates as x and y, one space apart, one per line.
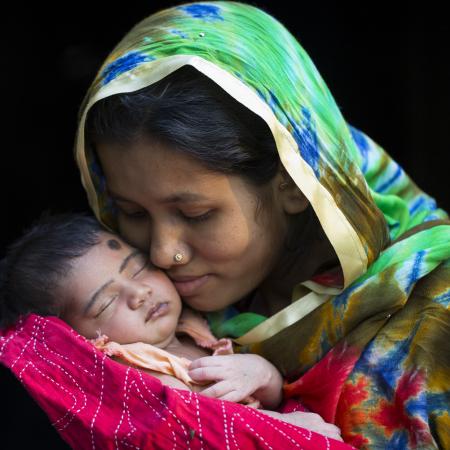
163 404
158 414
100 401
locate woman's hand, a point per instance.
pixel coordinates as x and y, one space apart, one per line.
309 421
238 376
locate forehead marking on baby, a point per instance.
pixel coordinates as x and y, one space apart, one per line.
113 244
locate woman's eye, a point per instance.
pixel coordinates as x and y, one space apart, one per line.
134 215
200 218
139 214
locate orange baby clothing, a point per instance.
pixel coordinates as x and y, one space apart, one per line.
150 357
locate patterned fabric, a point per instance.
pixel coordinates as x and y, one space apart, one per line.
366 347
97 403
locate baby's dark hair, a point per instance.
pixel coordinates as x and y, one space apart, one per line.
36 263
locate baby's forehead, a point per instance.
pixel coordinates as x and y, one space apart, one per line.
115 243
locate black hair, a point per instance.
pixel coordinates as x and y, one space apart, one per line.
36 263
189 112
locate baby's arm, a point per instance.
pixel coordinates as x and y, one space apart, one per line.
238 376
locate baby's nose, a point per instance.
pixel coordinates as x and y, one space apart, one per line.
140 294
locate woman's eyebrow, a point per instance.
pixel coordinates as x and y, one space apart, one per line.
118 197
105 285
177 197
183 197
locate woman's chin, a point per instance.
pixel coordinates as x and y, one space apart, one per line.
204 303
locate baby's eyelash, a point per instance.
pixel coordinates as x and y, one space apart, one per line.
116 296
106 306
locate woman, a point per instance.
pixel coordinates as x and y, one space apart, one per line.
296 232
231 164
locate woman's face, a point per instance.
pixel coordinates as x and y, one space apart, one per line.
169 203
115 290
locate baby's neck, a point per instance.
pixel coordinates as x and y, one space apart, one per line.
186 347
173 344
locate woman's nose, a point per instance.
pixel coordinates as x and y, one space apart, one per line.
165 252
138 294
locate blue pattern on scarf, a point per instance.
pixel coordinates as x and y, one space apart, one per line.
123 64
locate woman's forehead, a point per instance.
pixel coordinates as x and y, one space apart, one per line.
150 152
168 176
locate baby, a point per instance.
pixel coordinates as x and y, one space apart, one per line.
69 266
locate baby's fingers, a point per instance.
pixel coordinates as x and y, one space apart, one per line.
206 373
218 390
206 361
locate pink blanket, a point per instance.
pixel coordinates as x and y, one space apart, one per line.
97 403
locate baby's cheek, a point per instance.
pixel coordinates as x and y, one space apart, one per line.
117 327
162 286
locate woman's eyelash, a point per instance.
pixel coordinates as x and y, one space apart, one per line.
200 218
135 215
142 215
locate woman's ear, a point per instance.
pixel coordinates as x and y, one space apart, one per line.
290 197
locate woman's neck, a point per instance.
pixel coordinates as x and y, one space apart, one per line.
293 267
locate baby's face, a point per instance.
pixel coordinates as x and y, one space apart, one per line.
114 288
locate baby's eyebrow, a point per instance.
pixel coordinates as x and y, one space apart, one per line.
127 259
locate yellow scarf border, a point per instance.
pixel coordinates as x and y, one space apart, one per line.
282 319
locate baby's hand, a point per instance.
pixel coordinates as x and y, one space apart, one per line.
238 376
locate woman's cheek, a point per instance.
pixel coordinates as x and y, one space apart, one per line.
225 244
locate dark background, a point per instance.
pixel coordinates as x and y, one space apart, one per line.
389 72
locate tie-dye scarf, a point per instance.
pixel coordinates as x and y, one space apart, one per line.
371 346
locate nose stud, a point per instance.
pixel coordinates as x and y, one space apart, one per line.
178 257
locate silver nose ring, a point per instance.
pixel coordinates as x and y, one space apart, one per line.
178 257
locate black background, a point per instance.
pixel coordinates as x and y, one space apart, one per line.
389 72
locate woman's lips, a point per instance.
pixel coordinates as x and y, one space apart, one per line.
190 286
